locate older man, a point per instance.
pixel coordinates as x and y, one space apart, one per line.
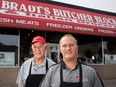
33 70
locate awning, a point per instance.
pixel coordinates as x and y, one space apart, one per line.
43 16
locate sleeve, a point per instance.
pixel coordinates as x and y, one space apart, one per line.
97 81
46 82
19 80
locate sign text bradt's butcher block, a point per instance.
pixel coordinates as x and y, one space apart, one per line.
32 14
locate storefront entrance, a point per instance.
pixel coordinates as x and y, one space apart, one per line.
53 52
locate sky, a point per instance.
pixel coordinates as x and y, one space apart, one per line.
103 5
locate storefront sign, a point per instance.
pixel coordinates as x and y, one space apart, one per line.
7 58
36 15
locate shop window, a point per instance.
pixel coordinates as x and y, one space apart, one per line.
8 47
90 46
90 49
109 49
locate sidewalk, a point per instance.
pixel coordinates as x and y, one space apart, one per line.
110 83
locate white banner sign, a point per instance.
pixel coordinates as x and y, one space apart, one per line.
7 58
110 59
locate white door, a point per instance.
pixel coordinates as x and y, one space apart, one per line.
53 52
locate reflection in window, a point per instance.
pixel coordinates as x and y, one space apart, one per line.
8 47
90 49
109 50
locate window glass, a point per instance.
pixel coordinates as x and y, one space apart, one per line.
90 49
90 46
109 49
8 47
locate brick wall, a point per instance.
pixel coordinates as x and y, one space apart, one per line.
107 71
8 75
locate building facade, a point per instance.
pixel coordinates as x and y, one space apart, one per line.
21 21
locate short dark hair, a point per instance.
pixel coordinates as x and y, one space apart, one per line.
69 35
